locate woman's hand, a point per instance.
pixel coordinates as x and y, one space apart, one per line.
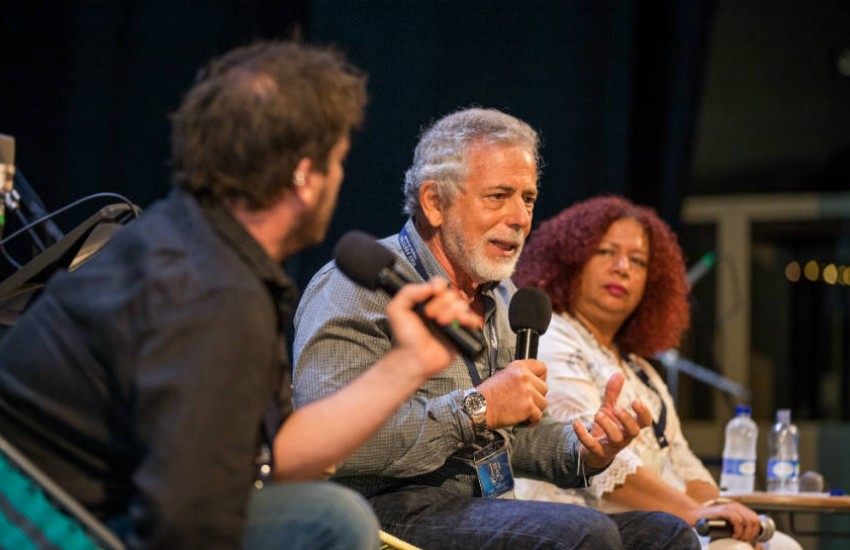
745 523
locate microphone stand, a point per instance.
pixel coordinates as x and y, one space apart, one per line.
674 363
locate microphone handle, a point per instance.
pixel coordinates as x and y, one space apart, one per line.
526 348
721 528
469 343
526 344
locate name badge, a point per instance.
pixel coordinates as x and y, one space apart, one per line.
493 466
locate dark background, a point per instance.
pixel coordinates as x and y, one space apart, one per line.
612 87
656 100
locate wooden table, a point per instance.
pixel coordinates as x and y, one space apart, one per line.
800 503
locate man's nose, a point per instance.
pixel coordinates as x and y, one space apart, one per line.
519 215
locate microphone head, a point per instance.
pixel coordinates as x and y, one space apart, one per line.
812 482
530 309
361 258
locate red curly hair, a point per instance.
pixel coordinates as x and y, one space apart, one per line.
556 252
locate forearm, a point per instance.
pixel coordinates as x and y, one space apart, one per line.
325 432
643 490
701 491
549 452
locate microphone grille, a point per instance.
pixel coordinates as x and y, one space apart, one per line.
530 309
811 482
359 256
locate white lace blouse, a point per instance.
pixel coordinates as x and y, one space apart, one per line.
578 369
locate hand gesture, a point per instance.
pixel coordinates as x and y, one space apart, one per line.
445 306
516 394
613 427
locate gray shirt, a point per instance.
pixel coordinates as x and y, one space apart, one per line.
341 329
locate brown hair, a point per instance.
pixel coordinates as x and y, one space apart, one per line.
255 112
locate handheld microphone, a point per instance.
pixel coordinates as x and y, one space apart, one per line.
369 264
721 528
529 315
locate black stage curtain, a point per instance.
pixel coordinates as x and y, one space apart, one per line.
612 85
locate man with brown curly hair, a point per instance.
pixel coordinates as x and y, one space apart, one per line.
153 382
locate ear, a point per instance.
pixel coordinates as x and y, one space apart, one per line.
431 203
304 182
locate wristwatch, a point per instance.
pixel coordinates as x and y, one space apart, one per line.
475 406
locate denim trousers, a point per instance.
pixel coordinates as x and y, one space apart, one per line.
430 517
316 514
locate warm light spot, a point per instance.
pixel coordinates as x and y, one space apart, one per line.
792 272
830 274
811 270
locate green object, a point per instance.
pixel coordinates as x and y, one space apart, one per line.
29 520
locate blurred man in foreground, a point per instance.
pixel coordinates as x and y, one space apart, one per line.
153 382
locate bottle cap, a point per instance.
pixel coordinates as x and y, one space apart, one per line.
836 492
783 415
743 409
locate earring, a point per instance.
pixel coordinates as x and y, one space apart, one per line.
298 178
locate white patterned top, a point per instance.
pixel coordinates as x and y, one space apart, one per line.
578 370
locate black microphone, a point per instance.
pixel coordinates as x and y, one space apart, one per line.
721 528
369 264
529 315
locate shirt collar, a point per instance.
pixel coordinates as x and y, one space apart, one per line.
249 251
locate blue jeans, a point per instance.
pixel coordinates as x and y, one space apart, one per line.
430 517
317 514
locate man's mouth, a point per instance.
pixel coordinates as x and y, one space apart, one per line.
509 247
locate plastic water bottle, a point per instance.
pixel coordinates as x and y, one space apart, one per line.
783 466
739 453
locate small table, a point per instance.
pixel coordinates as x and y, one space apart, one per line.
800 503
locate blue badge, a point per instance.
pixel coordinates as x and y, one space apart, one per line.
493 466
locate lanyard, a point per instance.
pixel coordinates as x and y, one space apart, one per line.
659 426
410 253
412 256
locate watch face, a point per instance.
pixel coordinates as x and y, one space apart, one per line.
475 404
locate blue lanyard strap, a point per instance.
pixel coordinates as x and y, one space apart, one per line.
410 253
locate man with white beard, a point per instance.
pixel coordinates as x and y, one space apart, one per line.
439 472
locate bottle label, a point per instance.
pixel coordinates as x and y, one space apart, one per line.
739 466
783 469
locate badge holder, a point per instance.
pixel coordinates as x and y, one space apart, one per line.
493 467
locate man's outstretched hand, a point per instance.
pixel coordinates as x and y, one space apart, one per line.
613 427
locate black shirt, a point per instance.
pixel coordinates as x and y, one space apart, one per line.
139 381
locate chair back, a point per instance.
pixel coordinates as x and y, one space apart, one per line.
36 513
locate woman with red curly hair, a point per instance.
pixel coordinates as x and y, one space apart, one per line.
616 277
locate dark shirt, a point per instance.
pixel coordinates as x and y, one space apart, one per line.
139 382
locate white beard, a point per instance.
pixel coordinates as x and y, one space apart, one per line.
472 258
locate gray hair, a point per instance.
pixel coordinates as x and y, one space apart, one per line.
443 150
